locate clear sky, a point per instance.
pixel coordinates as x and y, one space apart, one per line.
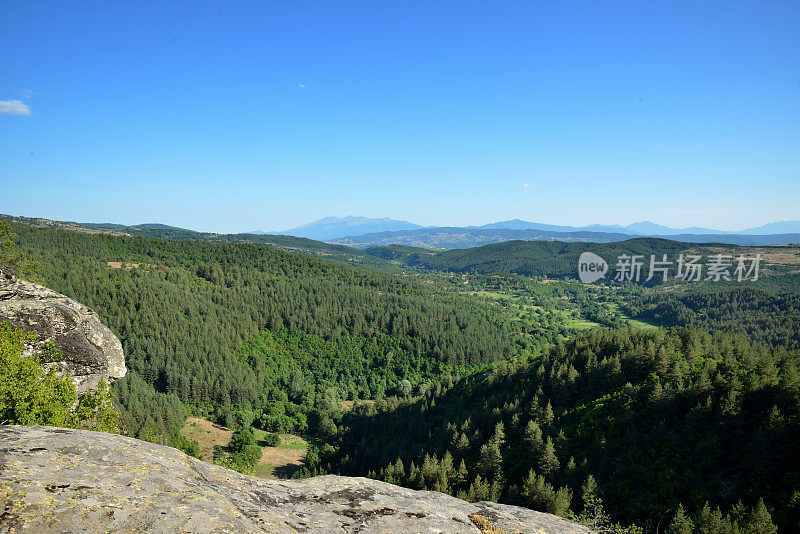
234 116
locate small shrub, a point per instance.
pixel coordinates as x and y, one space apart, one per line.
271 440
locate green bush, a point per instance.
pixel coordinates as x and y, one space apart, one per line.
244 452
271 440
31 396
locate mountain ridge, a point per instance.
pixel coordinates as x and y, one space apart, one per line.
460 238
338 227
443 237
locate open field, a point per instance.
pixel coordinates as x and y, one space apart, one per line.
348 404
633 322
207 435
513 302
283 460
276 462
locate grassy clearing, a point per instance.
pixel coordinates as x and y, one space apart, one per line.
494 295
207 435
636 323
348 404
283 460
265 470
276 462
288 441
639 324
574 323
569 320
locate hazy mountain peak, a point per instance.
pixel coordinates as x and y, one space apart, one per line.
779 227
338 227
333 228
651 228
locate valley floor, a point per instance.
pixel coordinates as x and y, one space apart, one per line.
275 462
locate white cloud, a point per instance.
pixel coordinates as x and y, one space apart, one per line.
301 86
526 185
14 107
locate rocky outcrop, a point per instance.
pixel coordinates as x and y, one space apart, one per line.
89 350
60 480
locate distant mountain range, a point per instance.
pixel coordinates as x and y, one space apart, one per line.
452 238
645 228
782 227
345 228
458 237
338 227
529 252
363 232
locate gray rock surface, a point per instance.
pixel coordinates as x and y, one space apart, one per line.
90 351
62 480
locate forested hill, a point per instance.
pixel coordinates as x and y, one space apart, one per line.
283 242
761 315
553 259
466 237
183 308
651 422
559 260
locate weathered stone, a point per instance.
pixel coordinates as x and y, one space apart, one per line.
59 480
90 351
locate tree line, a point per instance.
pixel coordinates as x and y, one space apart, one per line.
658 420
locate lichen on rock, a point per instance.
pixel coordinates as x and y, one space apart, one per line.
65 480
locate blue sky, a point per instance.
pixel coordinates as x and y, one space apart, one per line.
234 116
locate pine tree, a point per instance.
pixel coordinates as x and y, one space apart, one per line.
571 472
478 490
560 502
399 469
414 478
490 463
499 435
462 475
446 466
547 415
533 490
532 438
429 471
441 484
548 461
540 495
708 521
590 492
681 524
462 445
760 521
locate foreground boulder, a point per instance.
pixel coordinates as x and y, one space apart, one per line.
90 352
63 480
